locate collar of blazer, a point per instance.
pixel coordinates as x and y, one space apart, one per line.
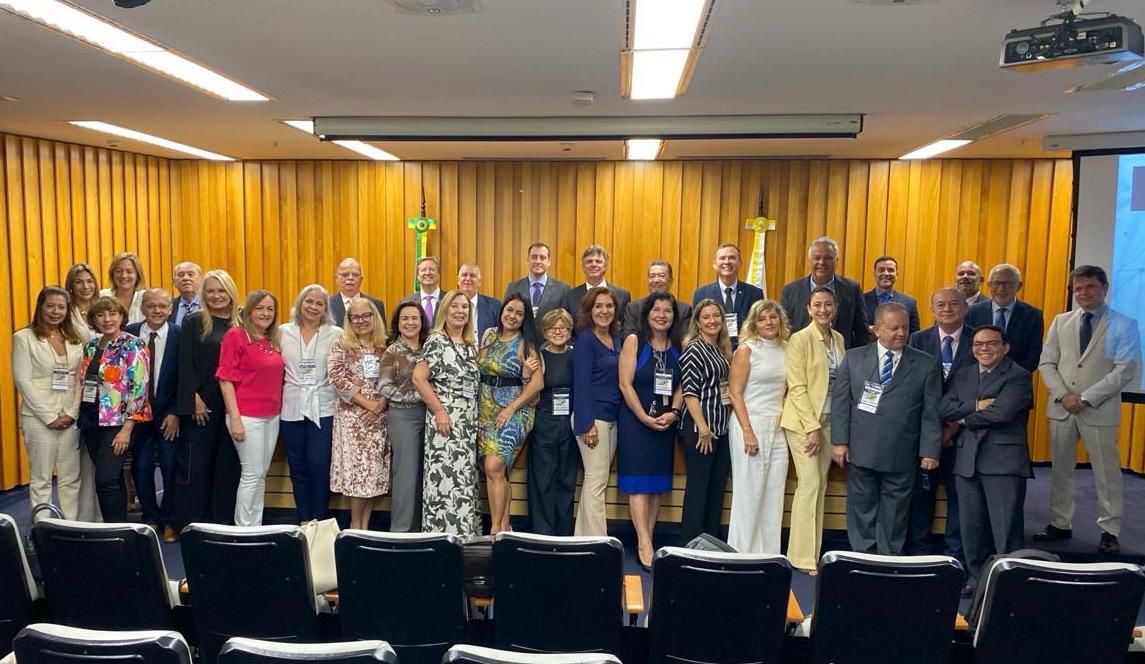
906 364
997 373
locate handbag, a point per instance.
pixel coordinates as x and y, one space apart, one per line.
320 536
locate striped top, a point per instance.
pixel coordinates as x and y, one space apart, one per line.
703 370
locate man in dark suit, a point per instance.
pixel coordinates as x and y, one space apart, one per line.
349 279
156 439
594 264
886 274
968 281
989 402
884 427
428 295
484 309
948 341
850 317
735 296
188 281
544 291
659 281
1022 323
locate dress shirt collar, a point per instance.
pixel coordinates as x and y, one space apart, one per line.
543 281
896 354
603 284
829 285
145 331
1097 312
436 295
994 307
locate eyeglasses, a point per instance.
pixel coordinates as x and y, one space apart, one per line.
995 285
157 306
361 318
986 344
559 329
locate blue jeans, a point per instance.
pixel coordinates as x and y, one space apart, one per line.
147 448
308 455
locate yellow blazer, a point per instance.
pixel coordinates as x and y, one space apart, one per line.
807 378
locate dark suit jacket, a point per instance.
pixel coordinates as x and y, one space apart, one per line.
488 308
176 302
679 324
993 440
928 341
167 386
338 310
576 295
746 295
553 297
1024 330
906 425
871 302
850 317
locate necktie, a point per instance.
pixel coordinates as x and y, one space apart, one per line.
886 297
429 308
948 349
1086 330
537 293
729 304
188 308
151 365
888 368
1000 317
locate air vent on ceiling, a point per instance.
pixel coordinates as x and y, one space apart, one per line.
435 7
998 124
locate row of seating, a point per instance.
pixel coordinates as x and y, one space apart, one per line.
554 594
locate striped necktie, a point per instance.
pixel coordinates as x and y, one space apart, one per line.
888 368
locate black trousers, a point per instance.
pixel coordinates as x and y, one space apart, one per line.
206 472
922 507
878 508
110 490
707 478
552 463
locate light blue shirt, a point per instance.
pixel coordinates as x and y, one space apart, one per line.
1009 312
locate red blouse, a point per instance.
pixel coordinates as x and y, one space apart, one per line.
257 371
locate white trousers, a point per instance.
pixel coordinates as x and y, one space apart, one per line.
255 454
1104 457
53 450
758 484
591 516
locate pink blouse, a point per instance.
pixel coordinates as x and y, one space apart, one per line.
257 371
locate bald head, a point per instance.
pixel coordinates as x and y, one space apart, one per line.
349 277
968 278
188 279
949 308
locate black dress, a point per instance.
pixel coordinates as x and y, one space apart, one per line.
552 456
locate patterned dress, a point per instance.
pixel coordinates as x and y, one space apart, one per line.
449 497
359 452
503 360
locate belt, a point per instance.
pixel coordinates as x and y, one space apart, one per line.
498 381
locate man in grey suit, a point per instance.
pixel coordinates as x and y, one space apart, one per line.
850 317
989 402
348 276
968 280
594 264
884 427
542 290
659 281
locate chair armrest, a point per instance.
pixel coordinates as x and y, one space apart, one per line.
960 624
633 597
794 612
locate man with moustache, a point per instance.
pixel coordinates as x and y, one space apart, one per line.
850 316
483 308
886 275
349 278
968 281
188 279
659 281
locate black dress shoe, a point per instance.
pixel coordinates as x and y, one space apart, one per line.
1052 533
1110 546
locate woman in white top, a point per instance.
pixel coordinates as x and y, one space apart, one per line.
83 287
308 400
127 284
45 355
756 384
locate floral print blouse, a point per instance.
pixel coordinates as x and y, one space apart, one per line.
122 371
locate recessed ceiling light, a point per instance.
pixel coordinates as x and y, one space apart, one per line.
148 138
664 37
643 149
101 33
935 148
360 147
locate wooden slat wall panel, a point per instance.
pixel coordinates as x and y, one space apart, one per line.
284 224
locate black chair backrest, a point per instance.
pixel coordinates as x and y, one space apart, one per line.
1045 612
403 588
17 587
557 594
871 608
479 655
248 581
253 651
712 607
103 575
57 644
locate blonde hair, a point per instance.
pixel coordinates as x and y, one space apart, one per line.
140 280
228 285
378 338
723 341
467 333
253 332
747 331
551 319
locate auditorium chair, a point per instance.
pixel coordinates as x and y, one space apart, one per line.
18 591
713 607
557 594
1051 613
876 609
403 588
249 581
240 650
479 655
44 643
104 575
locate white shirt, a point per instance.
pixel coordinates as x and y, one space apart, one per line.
135 311
724 292
896 358
310 402
161 335
588 286
473 315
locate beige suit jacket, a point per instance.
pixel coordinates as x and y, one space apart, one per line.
808 376
32 363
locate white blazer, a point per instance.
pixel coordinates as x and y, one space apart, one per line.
32 363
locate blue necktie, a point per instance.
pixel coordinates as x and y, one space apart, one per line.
888 368
1000 318
886 297
948 349
537 288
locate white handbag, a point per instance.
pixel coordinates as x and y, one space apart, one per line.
320 537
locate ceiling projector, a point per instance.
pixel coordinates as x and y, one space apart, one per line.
1073 42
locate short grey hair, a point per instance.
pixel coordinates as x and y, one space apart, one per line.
824 240
1006 267
472 266
296 310
155 292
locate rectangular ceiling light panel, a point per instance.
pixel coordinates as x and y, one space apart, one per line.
148 138
361 148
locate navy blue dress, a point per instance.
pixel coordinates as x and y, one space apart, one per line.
645 455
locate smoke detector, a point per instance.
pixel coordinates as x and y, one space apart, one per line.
435 7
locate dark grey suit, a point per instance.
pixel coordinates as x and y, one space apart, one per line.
679 325
576 294
993 460
871 302
552 297
850 317
338 308
885 446
1025 329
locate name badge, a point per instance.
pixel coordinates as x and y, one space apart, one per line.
562 401
872 393
90 390
946 369
308 372
731 321
60 382
468 393
370 366
725 394
662 384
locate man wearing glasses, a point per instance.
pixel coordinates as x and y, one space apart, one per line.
348 276
1021 322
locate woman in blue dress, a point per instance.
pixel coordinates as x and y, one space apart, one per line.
649 369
